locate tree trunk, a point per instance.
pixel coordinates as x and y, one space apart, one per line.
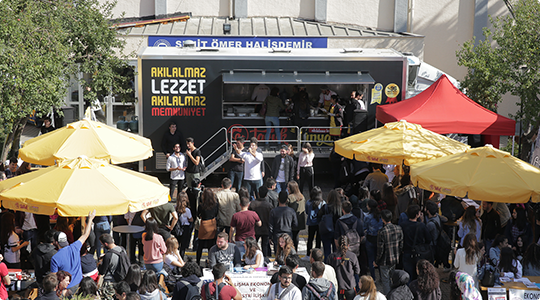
11 145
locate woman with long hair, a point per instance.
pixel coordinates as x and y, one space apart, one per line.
346 265
11 242
253 258
508 265
64 278
208 210
134 277
390 198
88 289
467 257
377 196
24 168
426 286
469 223
172 256
296 201
498 244
333 208
185 220
368 290
313 205
531 261
149 290
154 246
285 248
519 226
304 169
373 223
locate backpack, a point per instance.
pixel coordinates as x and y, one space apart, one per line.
123 265
202 166
214 296
284 293
326 226
354 237
443 246
321 297
193 292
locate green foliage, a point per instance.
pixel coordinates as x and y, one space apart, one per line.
512 66
43 43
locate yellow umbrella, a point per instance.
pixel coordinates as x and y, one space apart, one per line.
89 138
483 173
398 142
75 187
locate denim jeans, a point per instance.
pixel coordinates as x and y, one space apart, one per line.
272 121
157 267
281 186
236 178
98 233
312 232
371 253
253 187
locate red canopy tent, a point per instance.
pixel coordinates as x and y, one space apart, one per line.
443 108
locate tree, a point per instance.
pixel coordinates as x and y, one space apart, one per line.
511 66
44 43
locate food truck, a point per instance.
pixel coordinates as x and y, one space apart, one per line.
213 94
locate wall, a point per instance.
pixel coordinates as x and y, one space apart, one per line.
375 14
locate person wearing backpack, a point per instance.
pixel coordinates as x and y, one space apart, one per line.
115 263
188 287
319 288
389 246
347 269
225 287
284 289
327 217
434 223
351 226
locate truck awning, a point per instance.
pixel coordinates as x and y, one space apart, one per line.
299 78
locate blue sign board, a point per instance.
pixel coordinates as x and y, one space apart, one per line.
239 42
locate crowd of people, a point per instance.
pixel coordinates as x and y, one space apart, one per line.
378 228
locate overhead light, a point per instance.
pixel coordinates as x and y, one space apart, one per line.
226 28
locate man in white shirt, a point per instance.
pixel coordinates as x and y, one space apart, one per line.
260 93
325 96
285 290
177 164
252 167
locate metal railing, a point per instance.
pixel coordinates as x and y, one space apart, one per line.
217 161
244 130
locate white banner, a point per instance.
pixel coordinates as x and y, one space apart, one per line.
523 294
252 286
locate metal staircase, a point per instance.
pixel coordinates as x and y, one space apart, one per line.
219 155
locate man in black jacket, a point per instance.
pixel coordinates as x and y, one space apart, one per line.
282 219
263 208
170 138
43 254
283 169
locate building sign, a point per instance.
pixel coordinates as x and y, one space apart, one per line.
177 91
239 42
